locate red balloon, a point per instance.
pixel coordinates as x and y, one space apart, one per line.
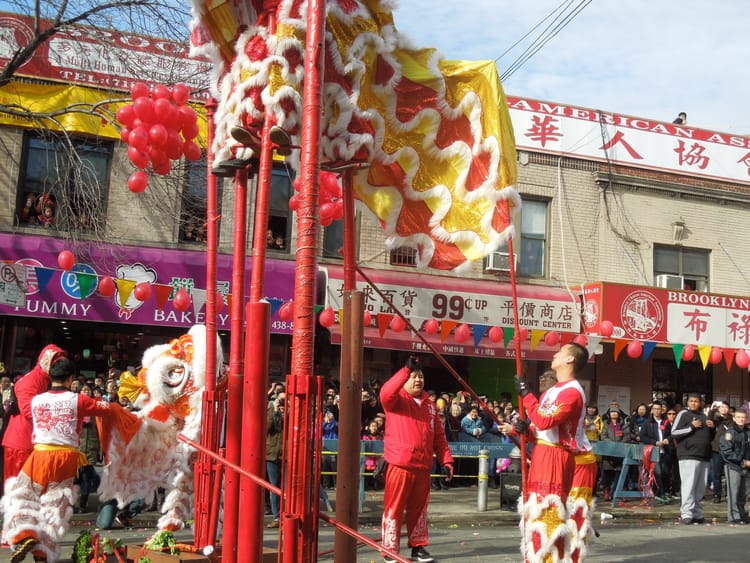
366 318
634 349
162 165
688 352
107 287
187 116
327 317
398 324
524 334
742 359
174 146
432 326
138 90
329 185
137 182
294 203
552 338
180 94
286 311
125 134
142 291
495 334
327 210
190 131
716 355
158 135
126 115
138 157
66 260
138 137
144 109
338 207
181 300
161 92
171 118
161 109
581 339
191 150
607 328
462 333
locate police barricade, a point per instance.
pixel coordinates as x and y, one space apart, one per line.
631 455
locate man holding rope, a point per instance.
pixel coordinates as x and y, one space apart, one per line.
555 418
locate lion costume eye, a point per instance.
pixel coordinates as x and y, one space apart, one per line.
175 377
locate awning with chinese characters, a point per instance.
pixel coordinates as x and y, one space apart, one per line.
671 316
481 304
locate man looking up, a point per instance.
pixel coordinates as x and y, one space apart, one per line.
693 432
413 434
556 417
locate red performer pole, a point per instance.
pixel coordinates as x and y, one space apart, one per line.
204 508
299 478
234 386
519 366
257 344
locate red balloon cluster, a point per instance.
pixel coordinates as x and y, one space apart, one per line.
331 204
160 127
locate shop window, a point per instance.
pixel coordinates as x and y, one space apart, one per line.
279 215
671 384
404 256
63 182
689 266
194 209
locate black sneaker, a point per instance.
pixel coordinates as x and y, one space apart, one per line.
686 520
698 520
22 549
420 554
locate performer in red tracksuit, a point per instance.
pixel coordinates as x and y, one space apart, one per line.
17 444
413 433
38 503
556 416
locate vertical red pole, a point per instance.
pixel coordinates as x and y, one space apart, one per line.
299 474
234 385
203 505
350 413
519 363
255 399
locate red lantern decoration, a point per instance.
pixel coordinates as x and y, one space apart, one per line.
582 340
327 317
398 324
432 326
366 318
107 287
606 328
181 300
66 260
495 334
552 338
742 359
462 333
286 311
716 355
635 349
688 352
142 291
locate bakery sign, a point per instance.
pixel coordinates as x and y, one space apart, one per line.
667 315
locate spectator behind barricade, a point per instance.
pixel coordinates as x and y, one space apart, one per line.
274 391
655 432
593 423
614 431
722 420
453 423
673 479
329 461
372 433
615 406
75 386
331 402
88 479
370 406
471 424
274 442
639 418
735 449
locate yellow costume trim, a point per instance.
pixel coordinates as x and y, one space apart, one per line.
57 448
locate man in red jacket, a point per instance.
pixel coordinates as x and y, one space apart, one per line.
17 444
413 433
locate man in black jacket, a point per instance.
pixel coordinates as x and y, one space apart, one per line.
693 432
735 449
655 432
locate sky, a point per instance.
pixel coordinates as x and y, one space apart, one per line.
643 58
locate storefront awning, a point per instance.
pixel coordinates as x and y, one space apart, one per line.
51 292
671 316
478 303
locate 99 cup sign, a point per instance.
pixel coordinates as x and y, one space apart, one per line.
12 285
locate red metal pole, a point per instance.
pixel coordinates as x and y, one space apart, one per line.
255 399
299 475
519 365
234 385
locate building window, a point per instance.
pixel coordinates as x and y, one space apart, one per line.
194 211
533 238
404 256
64 183
689 263
279 215
333 240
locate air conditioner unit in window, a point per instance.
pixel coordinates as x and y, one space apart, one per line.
499 262
670 282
